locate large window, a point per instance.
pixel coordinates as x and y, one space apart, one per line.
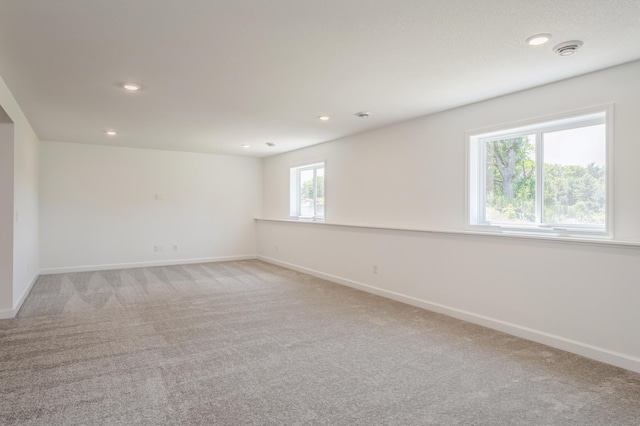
307 191
549 177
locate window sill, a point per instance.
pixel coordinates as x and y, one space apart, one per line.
546 232
306 219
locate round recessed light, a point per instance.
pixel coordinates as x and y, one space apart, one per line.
567 48
246 146
538 39
111 133
271 144
362 114
131 87
323 117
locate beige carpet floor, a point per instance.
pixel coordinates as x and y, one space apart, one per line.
248 343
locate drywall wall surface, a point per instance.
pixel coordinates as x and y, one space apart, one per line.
412 175
102 207
577 297
6 218
25 240
26 227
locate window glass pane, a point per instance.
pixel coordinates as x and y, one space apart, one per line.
320 192
510 192
574 176
306 193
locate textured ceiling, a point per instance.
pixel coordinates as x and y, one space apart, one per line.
217 74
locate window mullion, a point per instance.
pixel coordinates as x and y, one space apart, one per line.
298 193
482 182
315 192
539 177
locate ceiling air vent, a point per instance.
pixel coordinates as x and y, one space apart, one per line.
568 48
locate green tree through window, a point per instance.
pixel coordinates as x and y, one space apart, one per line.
511 183
550 175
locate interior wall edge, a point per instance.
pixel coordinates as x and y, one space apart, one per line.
25 294
7 314
11 313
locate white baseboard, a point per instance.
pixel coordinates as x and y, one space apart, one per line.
589 351
18 305
11 313
7 314
105 267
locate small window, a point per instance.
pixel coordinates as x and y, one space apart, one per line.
548 177
307 191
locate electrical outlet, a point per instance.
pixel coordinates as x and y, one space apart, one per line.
375 269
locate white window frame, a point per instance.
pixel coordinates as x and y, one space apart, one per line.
294 198
476 174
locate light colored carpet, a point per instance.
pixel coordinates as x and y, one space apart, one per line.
248 343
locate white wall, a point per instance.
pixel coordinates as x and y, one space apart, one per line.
579 297
98 206
23 205
26 227
6 217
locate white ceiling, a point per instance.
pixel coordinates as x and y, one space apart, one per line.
217 74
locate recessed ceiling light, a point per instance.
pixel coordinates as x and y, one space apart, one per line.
131 87
111 133
246 146
362 114
271 144
538 39
324 117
